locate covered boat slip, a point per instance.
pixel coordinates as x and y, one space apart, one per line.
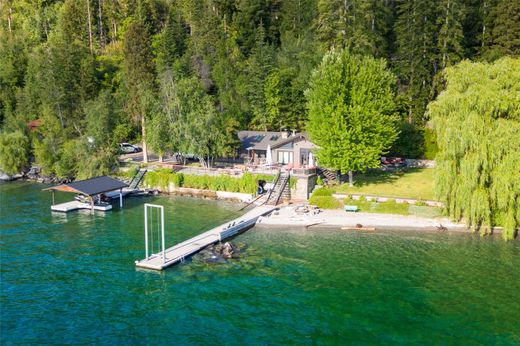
92 189
179 252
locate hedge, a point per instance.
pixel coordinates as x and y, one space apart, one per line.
247 183
322 198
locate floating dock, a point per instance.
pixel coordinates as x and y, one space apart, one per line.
75 205
191 246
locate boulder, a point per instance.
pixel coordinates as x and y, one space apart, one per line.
5 176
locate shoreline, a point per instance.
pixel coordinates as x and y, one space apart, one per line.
359 221
328 218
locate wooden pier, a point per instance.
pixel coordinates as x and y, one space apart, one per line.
191 246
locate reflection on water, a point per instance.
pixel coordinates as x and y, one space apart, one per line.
71 279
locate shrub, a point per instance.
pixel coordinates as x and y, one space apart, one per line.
325 202
245 184
14 152
322 192
131 172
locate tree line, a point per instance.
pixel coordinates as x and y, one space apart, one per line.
184 75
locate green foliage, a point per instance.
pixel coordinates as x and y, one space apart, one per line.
325 202
351 111
79 160
70 154
430 144
247 183
14 152
477 121
415 28
323 199
322 192
409 143
414 142
173 73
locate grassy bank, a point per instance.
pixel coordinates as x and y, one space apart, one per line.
323 199
247 183
414 183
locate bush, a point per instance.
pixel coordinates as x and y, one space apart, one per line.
325 202
322 192
245 184
14 152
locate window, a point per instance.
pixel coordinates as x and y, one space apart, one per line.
304 156
285 157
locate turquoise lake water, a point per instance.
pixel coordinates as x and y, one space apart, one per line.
71 279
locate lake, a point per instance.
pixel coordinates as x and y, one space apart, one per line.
71 279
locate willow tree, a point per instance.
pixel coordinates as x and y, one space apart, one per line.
477 120
351 111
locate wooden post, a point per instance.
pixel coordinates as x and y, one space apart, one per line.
53 198
121 198
92 203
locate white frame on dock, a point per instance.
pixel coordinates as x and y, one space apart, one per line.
146 205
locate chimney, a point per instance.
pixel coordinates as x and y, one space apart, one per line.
285 134
293 133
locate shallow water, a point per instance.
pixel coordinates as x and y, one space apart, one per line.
72 280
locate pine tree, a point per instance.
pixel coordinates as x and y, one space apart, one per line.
505 33
170 44
360 25
138 74
416 54
449 42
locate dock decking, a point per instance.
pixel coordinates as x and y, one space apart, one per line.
74 205
191 246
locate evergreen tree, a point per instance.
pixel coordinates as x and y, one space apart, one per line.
416 54
170 44
138 74
449 42
351 111
360 25
505 33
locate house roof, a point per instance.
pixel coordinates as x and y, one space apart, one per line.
90 187
259 140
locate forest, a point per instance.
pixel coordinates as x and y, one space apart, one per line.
77 77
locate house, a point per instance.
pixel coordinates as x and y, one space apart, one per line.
287 148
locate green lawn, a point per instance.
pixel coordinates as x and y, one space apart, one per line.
395 208
414 183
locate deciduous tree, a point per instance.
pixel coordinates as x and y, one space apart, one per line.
351 111
477 121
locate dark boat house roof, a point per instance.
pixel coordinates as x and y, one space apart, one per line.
259 140
91 187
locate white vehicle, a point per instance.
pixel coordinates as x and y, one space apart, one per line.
128 148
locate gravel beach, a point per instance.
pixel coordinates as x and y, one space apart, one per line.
289 216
